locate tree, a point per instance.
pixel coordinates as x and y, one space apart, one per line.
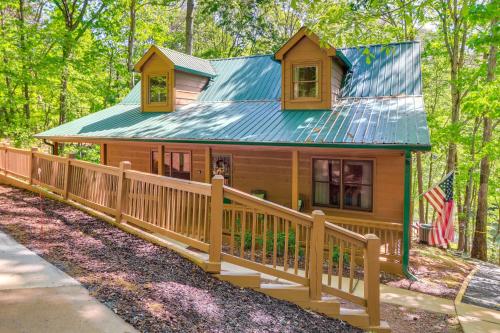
189 26
479 245
78 16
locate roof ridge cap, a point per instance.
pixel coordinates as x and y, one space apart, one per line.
241 57
381 44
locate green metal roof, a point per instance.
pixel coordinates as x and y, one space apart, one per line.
241 106
189 63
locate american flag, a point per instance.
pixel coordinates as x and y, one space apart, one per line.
441 198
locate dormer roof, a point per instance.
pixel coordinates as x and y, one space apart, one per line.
305 32
182 62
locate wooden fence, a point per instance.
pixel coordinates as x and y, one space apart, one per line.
312 250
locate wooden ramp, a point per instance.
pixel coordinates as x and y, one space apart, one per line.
247 241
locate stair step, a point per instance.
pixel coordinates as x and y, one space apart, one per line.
355 317
327 307
292 293
244 280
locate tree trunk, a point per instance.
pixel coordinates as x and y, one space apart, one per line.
189 26
63 94
429 183
455 114
463 233
131 42
22 39
479 245
420 185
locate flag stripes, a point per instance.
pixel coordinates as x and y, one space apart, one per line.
441 199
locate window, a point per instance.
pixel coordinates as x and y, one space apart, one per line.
346 184
175 164
158 89
305 81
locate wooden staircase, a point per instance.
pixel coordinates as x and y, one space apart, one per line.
299 294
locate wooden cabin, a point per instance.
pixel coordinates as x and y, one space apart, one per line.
310 127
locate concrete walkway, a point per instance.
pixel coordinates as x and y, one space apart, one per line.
37 297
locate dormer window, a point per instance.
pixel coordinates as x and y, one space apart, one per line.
306 81
158 89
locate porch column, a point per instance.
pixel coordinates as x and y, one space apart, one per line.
55 148
208 160
104 154
295 180
161 160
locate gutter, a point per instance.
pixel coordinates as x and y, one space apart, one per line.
406 217
409 147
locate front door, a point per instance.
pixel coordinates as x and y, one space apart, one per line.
222 165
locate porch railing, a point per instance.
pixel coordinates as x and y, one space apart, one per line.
228 224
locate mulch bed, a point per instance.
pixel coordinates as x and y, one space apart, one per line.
439 272
149 286
409 320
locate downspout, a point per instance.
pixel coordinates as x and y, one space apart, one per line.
49 144
406 217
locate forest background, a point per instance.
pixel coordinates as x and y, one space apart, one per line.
63 59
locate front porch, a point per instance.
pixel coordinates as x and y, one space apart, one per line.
285 175
310 251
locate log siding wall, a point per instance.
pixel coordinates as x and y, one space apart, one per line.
270 170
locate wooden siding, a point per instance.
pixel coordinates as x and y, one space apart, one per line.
270 170
388 181
188 87
338 73
139 155
304 52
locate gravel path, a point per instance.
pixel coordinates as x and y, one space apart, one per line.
151 287
484 287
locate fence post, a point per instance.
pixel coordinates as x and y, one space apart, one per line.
3 165
372 278
317 244
6 163
216 211
67 174
30 165
122 190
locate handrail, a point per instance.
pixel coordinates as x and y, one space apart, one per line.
96 167
350 235
365 222
17 150
245 198
50 157
180 184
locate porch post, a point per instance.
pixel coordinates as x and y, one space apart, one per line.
33 150
67 176
372 278
161 160
208 159
216 211
316 255
122 190
104 154
295 180
55 149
